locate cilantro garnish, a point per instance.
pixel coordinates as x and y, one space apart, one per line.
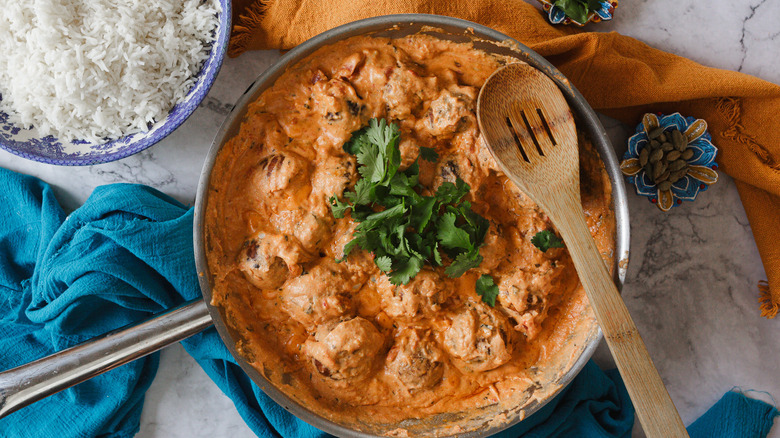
403 229
384 263
428 154
546 239
487 289
578 10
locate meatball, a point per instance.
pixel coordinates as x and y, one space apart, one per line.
426 292
268 259
493 249
278 171
318 296
309 229
524 292
263 132
331 177
312 231
449 113
405 91
527 308
449 170
484 158
280 181
409 152
341 110
415 360
347 350
479 338
451 167
351 65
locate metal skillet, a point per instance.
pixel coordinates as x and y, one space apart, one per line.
31 382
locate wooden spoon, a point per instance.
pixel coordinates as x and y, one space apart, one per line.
530 132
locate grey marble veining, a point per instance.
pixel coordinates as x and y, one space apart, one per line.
691 283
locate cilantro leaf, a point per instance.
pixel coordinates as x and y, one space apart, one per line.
478 224
374 220
487 289
413 174
450 235
436 254
462 263
338 207
429 154
373 168
361 194
400 185
357 142
448 192
546 239
421 213
406 270
384 263
382 134
356 241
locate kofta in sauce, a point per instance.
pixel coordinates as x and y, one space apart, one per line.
339 337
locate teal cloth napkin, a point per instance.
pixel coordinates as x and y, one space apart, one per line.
126 254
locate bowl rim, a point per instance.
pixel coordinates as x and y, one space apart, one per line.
372 25
211 66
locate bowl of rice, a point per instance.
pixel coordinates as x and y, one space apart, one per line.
91 81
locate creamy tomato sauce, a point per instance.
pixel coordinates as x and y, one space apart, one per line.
339 337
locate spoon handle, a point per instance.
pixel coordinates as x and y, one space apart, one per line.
654 407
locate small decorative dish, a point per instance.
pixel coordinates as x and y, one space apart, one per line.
670 159
581 14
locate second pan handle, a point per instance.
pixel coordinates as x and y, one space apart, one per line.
31 382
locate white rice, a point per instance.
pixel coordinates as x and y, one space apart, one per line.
95 69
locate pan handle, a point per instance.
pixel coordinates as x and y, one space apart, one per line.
31 382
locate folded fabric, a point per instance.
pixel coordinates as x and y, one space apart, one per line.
735 415
740 109
63 281
127 253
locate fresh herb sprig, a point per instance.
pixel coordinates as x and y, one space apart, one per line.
487 289
578 10
402 228
545 240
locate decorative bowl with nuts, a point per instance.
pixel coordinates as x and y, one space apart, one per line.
578 12
670 159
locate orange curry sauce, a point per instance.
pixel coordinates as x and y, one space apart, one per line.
339 337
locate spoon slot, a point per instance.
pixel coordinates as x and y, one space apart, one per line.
546 126
517 139
532 131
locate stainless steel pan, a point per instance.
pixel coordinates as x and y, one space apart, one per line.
31 382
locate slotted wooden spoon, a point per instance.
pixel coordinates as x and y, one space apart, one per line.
530 132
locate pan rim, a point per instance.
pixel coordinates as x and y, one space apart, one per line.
591 124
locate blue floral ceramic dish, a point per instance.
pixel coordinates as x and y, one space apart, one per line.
557 16
701 166
28 144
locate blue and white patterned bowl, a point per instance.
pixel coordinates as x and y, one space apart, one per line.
702 169
29 144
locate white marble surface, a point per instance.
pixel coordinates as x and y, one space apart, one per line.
692 278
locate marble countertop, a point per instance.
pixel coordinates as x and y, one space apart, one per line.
691 283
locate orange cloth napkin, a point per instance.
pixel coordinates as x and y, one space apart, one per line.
743 112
